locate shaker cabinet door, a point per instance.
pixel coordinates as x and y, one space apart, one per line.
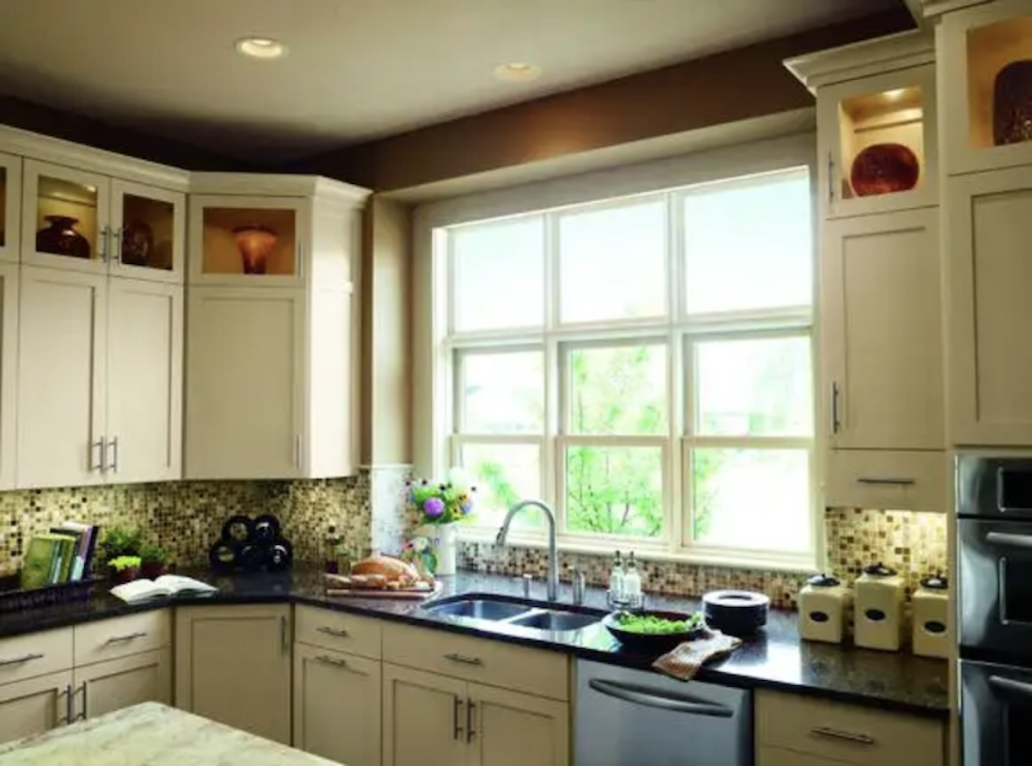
8 372
424 719
34 706
148 232
510 729
117 684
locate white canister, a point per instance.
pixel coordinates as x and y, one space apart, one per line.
823 609
878 619
931 606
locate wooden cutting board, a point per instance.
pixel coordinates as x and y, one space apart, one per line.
382 592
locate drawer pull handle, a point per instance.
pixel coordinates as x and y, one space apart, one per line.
464 659
895 481
848 736
457 727
338 663
126 637
20 660
338 632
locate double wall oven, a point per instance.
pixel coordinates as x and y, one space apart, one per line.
994 608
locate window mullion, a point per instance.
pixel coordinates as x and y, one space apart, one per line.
553 372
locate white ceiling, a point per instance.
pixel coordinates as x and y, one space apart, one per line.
357 69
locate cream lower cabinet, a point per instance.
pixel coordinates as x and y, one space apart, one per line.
511 729
424 719
883 365
122 683
337 705
34 705
233 666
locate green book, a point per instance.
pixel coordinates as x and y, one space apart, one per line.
68 546
40 557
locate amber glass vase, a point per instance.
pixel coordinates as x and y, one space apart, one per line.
255 244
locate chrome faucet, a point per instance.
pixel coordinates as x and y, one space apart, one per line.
553 557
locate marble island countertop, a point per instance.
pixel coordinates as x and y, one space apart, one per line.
776 658
151 734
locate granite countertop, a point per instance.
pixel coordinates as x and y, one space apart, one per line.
150 734
777 658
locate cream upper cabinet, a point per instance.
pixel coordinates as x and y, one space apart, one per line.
337 705
233 665
989 269
882 325
986 67
10 207
62 363
116 684
144 381
510 729
35 705
424 719
9 288
876 124
84 220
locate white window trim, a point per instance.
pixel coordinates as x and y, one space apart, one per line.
433 394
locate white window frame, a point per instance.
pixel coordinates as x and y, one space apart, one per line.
437 448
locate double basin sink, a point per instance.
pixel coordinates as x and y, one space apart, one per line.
522 613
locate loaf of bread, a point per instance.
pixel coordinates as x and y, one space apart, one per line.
388 567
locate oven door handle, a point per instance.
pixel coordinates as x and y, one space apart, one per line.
652 697
1009 541
1010 685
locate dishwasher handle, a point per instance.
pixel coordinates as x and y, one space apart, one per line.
652 697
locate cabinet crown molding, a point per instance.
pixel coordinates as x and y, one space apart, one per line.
856 61
933 8
278 185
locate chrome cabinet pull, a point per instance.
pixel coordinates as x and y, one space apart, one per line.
299 254
464 659
297 451
126 637
82 716
836 424
69 707
831 179
20 660
327 660
656 698
116 244
895 481
103 242
471 709
1008 540
456 711
113 467
336 632
848 736
1010 685
284 635
101 448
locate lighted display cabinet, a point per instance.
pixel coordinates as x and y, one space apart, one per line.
876 124
987 61
10 204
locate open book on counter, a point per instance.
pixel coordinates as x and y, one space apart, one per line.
166 586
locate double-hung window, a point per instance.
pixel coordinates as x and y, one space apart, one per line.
644 364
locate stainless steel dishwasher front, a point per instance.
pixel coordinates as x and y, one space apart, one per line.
639 718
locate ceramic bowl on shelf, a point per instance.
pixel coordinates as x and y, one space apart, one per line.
884 169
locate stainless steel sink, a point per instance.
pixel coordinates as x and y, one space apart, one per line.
520 613
554 620
477 608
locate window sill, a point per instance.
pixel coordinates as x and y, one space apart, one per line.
645 551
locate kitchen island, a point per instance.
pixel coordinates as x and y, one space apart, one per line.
151 734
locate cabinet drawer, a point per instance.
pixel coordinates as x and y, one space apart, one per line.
913 481
122 636
338 631
35 654
846 733
543 673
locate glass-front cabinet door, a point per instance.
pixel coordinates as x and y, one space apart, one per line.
988 68
148 228
65 218
247 240
879 143
10 204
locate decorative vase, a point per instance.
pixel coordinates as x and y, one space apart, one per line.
445 545
1012 103
61 238
255 244
884 169
137 244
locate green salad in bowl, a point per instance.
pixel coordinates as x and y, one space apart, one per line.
653 624
654 632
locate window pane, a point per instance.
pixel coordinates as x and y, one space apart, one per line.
494 262
730 510
749 244
503 474
614 490
612 263
756 387
502 393
618 390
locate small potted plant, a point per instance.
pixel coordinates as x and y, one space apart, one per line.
153 559
120 541
124 569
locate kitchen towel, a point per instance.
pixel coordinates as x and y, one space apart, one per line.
684 661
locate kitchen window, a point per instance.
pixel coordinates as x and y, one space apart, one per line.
644 364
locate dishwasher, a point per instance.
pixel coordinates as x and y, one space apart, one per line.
637 718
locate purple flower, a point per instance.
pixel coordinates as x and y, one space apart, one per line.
467 507
433 507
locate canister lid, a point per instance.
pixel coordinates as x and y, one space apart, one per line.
823 581
879 570
938 581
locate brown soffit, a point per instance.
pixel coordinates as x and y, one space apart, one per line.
726 87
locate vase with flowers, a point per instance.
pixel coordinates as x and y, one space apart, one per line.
440 508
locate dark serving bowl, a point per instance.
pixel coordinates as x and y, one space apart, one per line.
650 643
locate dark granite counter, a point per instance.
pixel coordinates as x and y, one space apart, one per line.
776 659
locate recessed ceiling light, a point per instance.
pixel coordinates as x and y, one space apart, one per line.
261 47
517 71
